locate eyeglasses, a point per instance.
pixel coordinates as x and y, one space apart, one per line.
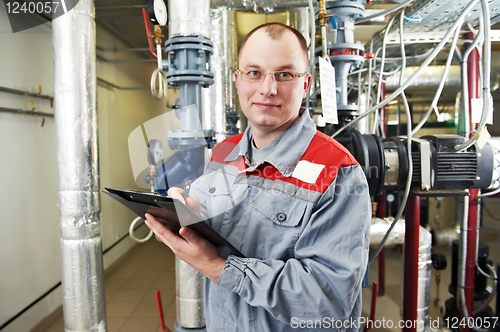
280 77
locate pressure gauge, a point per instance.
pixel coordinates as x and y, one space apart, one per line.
157 11
155 152
390 198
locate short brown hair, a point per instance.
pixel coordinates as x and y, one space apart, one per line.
275 30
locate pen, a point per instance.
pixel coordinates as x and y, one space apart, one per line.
187 186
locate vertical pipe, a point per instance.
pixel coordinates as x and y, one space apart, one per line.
472 221
381 211
73 36
214 97
410 289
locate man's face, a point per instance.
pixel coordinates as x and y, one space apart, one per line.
268 105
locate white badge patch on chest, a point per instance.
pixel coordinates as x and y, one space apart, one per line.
307 171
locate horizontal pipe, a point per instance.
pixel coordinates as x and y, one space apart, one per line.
119 7
112 85
25 93
133 49
125 60
25 112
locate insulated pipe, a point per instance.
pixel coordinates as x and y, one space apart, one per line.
189 18
214 97
189 291
73 37
410 275
377 231
428 80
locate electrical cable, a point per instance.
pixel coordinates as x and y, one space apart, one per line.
441 84
487 105
493 289
491 193
312 22
383 13
382 61
415 74
408 146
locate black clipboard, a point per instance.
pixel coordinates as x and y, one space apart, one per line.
173 214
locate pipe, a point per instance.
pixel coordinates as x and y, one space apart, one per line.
377 231
428 80
25 93
267 6
410 275
382 213
189 20
424 278
190 287
25 112
214 97
73 36
379 228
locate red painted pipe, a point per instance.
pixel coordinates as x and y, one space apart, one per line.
410 283
472 218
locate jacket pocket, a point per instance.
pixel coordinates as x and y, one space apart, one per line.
282 209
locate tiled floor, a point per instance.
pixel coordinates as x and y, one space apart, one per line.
131 287
131 291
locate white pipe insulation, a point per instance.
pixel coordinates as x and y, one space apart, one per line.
377 231
191 18
73 36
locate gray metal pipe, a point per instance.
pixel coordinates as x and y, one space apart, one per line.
214 97
190 18
428 80
190 287
73 36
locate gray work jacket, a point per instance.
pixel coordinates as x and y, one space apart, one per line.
302 219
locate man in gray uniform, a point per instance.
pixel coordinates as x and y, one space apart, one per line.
291 199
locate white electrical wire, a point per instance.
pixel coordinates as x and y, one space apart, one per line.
486 78
416 73
493 289
131 231
382 61
385 12
408 147
441 84
312 23
491 193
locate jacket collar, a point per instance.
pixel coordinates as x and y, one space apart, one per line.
289 150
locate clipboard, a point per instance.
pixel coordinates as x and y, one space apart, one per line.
173 214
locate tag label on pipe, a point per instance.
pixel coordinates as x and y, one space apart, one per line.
477 110
328 91
483 137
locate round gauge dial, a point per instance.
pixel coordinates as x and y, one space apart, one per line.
157 11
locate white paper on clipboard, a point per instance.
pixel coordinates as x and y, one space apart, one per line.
328 91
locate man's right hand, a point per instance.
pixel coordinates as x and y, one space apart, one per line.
191 202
